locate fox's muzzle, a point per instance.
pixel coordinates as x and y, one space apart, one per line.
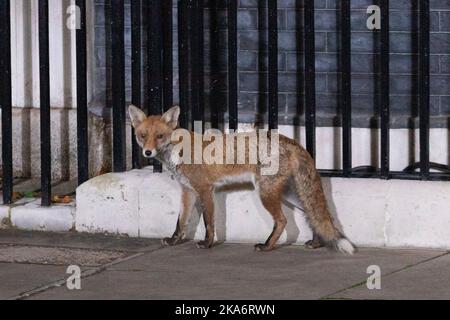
147 153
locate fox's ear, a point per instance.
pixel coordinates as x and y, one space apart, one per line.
171 117
137 116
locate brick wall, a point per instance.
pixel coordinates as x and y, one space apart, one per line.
253 61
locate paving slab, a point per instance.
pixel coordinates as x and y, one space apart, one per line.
16 278
57 256
236 271
65 188
78 240
428 280
29 185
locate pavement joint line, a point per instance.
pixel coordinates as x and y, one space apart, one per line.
85 274
46 246
329 296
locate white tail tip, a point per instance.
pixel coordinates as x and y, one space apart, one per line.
345 246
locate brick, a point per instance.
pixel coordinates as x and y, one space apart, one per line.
247 20
365 55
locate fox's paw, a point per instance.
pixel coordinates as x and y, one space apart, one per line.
314 244
204 244
262 247
170 241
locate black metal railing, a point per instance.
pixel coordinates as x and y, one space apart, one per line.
44 80
6 100
82 100
158 83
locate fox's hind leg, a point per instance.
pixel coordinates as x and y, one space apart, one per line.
271 200
188 200
315 243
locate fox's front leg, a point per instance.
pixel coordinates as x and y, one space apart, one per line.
207 199
188 199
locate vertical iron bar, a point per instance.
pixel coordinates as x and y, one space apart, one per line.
385 90
155 61
232 65
201 59
197 72
273 63
118 84
310 78
6 99
424 88
215 100
82 104
346 94
167 28
183 57
136 64
44 76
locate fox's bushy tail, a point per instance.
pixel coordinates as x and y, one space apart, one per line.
309 188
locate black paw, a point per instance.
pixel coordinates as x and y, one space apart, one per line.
170 241
204 244
314 244
262 247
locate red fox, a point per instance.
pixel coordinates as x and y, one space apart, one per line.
296 169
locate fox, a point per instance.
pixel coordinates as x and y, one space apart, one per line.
296 171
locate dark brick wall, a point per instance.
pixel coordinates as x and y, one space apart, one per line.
253 61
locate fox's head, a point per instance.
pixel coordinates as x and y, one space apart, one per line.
153 133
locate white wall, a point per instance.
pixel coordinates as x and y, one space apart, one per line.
25 57
405 146
404 150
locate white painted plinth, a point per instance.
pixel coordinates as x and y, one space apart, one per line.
371 212
4 214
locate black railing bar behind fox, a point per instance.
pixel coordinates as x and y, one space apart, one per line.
167 33
215 101
118 84
197 65
183 62
44 81
82 103
346 87
385 90
310 77
433 176
155 63
433 166
6 100
273 63
232 65
201 57
136 75
424 86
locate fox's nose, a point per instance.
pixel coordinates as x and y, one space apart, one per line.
148 153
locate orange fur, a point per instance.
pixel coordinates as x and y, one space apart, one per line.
201 180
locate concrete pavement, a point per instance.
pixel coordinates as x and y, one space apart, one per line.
33 266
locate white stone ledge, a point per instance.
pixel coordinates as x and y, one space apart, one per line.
371 212
31 216
4 216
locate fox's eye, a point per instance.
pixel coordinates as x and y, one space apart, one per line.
143 135
159 136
